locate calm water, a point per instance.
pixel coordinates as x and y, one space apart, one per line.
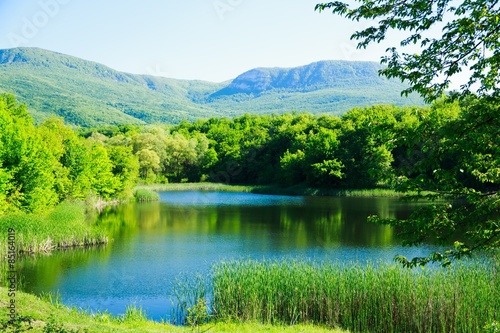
186 232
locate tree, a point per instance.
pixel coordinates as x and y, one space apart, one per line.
455 163
54 135
75 160
470 38
292 167
180 154
26 163
125 168
149 164
102 181
367 140
149 147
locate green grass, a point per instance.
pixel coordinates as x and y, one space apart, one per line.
63 227
382 298
145 194
197 187
49 315
271 189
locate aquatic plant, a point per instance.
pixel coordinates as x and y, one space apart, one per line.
361 298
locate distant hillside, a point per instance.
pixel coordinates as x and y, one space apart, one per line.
312 77
86 93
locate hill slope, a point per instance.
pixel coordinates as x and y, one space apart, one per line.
86 93
315 76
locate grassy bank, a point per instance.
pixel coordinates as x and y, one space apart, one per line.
63 227
271 189
46 316
386 298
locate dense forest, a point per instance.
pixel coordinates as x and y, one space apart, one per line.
378 146
41 166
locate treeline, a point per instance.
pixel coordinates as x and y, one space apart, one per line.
378 146
365 148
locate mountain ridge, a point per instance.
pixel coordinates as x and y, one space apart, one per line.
86 93
314 76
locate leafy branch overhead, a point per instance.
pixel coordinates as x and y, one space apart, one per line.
468 37
452 159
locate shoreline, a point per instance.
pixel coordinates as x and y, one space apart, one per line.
46 312
297 190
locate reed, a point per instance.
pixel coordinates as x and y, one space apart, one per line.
135 314
187 290
272 189
64 227
145 195
360 298
220 187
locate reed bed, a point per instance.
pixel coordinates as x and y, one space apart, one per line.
300 190
172 187
64 227
146 195
360 298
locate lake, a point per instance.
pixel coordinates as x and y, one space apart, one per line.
153 244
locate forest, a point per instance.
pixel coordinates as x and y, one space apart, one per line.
379 146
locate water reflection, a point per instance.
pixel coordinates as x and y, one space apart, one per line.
188 231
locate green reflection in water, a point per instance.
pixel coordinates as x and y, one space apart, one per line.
153 242
323 222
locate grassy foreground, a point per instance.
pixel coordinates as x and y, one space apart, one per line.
272 189
46 316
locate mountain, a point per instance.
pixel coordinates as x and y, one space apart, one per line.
316 76
86 93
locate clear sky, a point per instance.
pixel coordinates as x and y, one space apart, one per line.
213 40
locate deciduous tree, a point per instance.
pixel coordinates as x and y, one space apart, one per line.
469 39
457 161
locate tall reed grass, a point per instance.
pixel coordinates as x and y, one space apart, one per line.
187 291
63 227
144 195
361 298
300 189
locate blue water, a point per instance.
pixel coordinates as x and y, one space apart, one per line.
153 244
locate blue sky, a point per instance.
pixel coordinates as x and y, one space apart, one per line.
213 40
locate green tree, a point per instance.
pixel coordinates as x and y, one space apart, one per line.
25 160
180 155
149 164
54 134
103 182
125 167
151 140
366 143
292 167
76 159
313 157
4 189
469 38
458 162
